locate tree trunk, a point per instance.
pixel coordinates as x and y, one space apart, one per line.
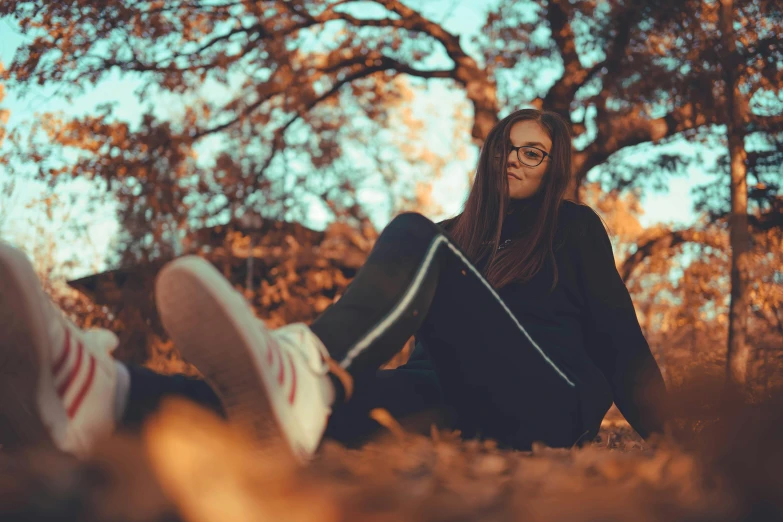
738 351
738 354
481 90
578 174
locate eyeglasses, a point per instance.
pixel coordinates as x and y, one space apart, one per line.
530 156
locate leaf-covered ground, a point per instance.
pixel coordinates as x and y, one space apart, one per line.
188 465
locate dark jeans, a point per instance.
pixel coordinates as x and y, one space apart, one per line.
475 360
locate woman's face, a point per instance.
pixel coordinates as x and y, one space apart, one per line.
524 181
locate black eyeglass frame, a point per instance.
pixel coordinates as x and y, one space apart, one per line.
517 149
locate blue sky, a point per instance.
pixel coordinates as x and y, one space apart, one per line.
460 17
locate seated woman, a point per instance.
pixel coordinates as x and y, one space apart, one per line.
525 329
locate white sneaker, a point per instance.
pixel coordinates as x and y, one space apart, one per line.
273 383
57 382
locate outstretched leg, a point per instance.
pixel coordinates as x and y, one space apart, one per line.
282 384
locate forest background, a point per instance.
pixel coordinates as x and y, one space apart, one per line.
276 139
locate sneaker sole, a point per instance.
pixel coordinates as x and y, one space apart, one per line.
24 356
191 298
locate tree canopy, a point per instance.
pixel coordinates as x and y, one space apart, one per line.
279 100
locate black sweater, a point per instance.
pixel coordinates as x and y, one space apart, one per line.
587 323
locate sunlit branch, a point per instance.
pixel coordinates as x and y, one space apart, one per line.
381 64
667 242
277 141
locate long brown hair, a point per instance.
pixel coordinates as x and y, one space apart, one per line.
477 229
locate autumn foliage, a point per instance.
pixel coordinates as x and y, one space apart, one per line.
251 116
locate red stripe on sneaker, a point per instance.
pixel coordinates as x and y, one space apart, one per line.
292 395
281 371
270 356
58 365
65 385
83 390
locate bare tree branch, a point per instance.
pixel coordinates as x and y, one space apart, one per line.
666 243
619 130
416 22
562 92
382 63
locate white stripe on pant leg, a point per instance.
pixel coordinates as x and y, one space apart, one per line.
512 316
392 316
